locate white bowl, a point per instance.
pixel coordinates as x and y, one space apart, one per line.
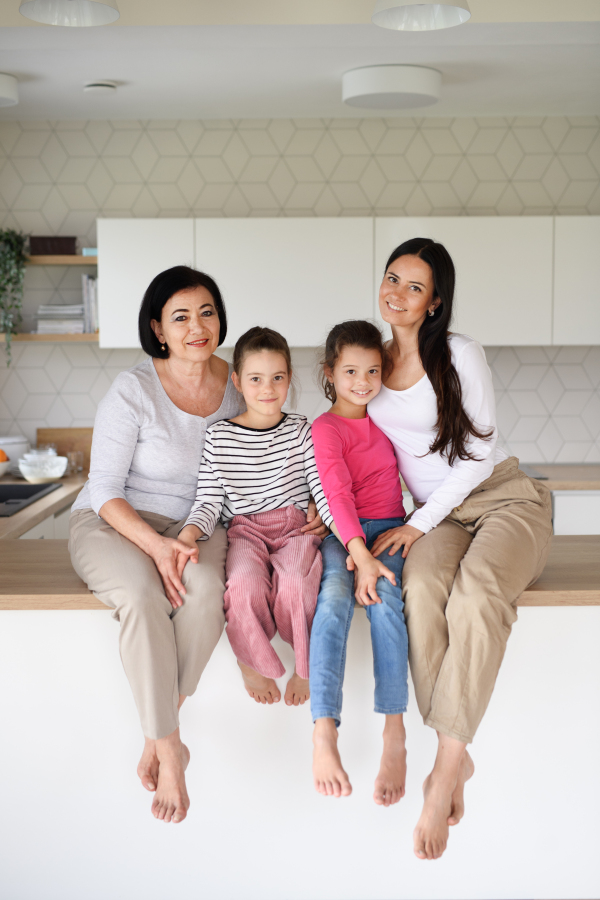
43 469
4 467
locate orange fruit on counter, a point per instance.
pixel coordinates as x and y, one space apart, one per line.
3 456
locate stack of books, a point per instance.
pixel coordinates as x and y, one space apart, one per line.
77 318
90 306
61 319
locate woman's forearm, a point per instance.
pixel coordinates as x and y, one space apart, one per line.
121 516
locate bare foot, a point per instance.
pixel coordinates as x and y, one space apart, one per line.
261 689
171 801
391 780
297 691
465 772
329 775
148 766
431 834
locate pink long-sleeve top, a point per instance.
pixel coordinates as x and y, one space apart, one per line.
358 471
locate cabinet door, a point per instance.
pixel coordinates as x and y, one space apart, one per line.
503 272
298 276
576 280
130 253
44 529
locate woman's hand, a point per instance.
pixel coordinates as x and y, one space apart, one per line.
170 557
365 581
404 536
314 523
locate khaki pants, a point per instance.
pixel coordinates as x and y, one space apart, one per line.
164 651
461 582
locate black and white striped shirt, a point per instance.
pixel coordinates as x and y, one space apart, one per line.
249 470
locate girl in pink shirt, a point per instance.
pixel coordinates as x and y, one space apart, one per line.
359 475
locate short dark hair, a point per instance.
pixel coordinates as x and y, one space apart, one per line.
256 339
160 290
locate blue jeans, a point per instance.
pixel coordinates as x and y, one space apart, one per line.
329 636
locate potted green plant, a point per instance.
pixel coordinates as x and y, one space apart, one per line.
12 274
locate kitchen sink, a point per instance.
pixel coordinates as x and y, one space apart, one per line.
15 497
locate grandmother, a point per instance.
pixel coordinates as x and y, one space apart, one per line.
148 440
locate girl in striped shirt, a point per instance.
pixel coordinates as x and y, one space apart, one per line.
257 475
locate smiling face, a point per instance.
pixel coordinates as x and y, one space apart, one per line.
264 381
356 378
407 292
189 325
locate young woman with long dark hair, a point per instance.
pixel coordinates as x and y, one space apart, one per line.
481 531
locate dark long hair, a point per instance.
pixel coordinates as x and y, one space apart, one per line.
351 333
160 290
453 426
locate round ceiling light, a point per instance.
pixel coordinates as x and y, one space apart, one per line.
100 87
9 90
391 87
75 13
405 15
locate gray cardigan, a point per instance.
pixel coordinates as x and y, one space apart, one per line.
146 450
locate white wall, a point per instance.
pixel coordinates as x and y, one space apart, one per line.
76 823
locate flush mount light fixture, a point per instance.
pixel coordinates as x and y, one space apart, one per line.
100 87
75 13
406 15
9 90
391 87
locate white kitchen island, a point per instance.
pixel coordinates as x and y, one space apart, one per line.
256 829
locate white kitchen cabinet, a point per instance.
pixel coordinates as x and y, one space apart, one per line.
503 272
298 276
55 527
576 280
44 529
576 512
130 253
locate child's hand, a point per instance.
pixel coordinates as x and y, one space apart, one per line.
365 582
188 536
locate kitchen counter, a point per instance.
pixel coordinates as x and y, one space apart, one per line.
41 576
570 476
21 522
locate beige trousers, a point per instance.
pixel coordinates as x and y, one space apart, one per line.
461 582
164 651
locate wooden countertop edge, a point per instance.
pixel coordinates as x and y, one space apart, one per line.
89 602
565 485
14 526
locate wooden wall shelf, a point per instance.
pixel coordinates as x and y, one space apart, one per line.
71 260
52 338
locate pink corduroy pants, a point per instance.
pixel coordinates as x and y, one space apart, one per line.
273 573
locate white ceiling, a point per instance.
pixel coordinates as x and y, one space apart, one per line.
269 71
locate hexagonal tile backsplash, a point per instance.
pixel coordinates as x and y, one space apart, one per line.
58 177
548 398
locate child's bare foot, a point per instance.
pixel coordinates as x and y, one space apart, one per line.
431 834
261 689
391 780
329 775
171 801
467 768
148 766
297 691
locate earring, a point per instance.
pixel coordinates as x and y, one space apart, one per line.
431 312
163 347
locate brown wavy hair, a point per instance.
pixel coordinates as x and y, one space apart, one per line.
453 426
353 333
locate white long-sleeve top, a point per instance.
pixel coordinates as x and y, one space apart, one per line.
248 470
145 449
408 418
